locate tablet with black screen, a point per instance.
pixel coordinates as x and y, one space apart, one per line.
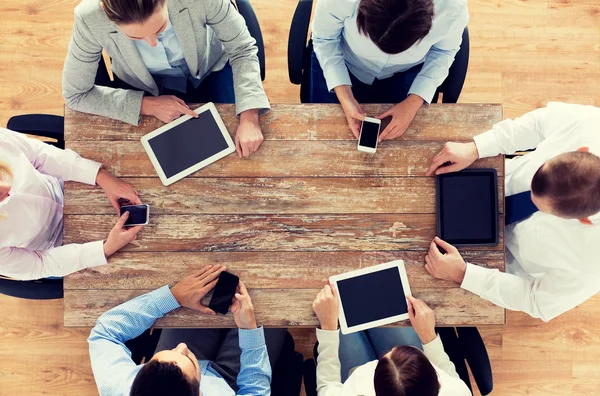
467 207
372 297
188 144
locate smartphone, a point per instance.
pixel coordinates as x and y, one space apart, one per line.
224 292
138 214
369 135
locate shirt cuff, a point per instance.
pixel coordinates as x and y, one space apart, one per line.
474 278
434 346
336 75
328 336
423 87
252 338
93 253
164 300
260 102
85 171
487 145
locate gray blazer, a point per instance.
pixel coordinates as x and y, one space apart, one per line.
210 33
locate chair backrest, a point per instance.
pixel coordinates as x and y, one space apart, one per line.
43 289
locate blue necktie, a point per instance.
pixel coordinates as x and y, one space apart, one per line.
518 207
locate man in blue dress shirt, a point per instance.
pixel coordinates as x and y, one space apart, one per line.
384 51
223 362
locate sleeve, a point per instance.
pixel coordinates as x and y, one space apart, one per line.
544 298
230 28
436 355
23 264
327 28
62 164
255 370
439 59
79 75
329 379
111 360
509 136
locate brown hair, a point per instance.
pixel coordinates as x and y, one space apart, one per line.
395 25
406 371
571 181
130 11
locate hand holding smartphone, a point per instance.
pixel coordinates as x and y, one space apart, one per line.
369 135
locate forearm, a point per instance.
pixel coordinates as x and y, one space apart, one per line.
433 73
329 380
24 264
436 354
255 369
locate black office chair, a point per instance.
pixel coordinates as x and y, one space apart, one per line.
463 345
300 49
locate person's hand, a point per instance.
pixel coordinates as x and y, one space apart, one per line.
457 156
166 107
327 308
248 137
192 289
402 115
448 266
352 109
422 319
242 309
120 236
116 189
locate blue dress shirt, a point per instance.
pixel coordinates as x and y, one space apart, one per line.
341 47
114 370
166 62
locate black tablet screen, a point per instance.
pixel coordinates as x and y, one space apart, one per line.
188 143
468 208
373 296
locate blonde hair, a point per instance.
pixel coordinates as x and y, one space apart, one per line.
6 175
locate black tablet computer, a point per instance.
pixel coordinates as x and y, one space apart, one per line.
467 207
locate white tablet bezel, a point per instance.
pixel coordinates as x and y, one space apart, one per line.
363 271
186 172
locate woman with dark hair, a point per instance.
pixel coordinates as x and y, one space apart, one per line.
165 53
383 361
384 51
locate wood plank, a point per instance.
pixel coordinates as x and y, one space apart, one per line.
452 305
269 196
260 270
439 122
286 159
374 232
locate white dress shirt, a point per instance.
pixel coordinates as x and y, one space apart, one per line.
552 263
340 47
360 382
31 225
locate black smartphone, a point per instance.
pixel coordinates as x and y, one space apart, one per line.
224 292
138 214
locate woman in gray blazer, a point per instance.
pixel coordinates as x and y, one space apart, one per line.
164 53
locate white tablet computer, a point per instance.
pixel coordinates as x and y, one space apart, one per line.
188 144
372 297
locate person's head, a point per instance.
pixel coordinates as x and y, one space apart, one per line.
138 19
174 372
6 178
395 25
568 185
405 371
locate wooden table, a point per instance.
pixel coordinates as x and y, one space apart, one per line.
306 206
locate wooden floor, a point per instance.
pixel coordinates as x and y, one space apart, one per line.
524 53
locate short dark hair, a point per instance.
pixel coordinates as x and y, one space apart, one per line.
571 181
395 25
158 378
130 11
406 372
